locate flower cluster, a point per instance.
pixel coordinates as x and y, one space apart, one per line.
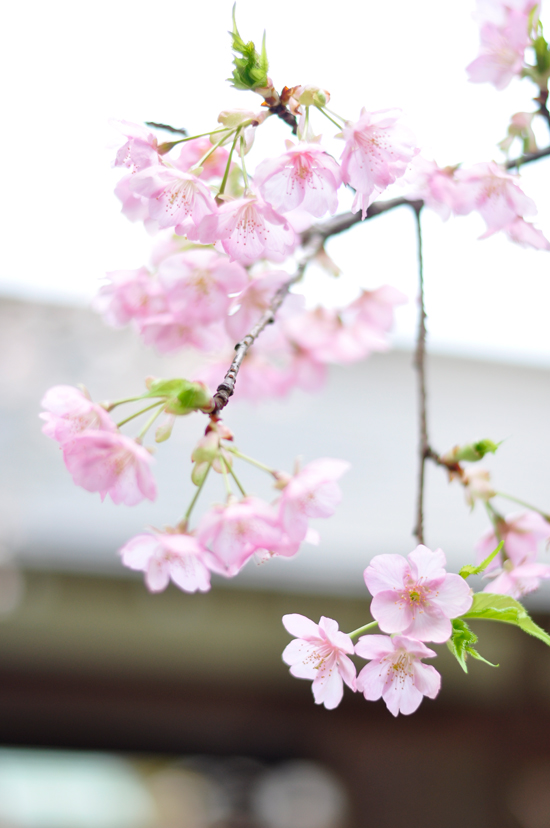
486 188
414 600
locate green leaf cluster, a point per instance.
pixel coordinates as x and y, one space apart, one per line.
461 644
183 395
475 451
250 70
503 608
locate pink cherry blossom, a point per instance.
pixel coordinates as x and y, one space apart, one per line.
435 185
415 596
494 193
518 581
69 411
141 149
235 531
521 533
171 331
319 653
305 176
175 199
193 151
311 493
168 555
396 672
134 207
501 52
111 464
253 301
132 294
378 150
197 284
249 229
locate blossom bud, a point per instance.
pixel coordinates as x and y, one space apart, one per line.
312 96
471 453
183 396
233 118
164 431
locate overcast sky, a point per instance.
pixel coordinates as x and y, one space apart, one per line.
72 66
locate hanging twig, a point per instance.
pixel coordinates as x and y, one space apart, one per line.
424 450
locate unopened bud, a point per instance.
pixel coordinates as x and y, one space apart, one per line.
471 453
312 96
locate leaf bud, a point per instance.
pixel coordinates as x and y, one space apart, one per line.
471 453
311 96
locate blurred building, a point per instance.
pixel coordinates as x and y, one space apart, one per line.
187 693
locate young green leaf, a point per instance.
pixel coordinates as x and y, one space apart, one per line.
472 569
461 644
250 70
504 608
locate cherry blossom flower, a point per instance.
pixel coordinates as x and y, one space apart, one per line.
435 185
378 150
518 581
132 294
134 207
415 596
319 653
175 199
111 464
140 150
235 531
193 151
171 331
197 284
494 193
502 51
168 555
521 533
311 493
477 485
253 301
396 672
249 229
305 176
69 412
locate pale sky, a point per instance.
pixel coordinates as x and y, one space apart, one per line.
73 66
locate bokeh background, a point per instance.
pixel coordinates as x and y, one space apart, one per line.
119 709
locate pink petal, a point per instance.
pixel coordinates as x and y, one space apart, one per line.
426 679
385 572
391 612
374 646
429 625
453 596
328 688
429 565
372 680
158 576
300 626
402 696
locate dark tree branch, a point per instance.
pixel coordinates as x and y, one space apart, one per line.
420 366
527 158
168 128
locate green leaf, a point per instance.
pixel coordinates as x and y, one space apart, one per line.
504 608
471 569
474 451
250 70
461 644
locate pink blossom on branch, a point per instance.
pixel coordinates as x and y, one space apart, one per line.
521 532
234 531
249 229
140 150
198 283
131 294
415 596
69 411
378 150
111 464
174 198
319 653
168 555
305 176
494 193
311 493
502 52
396 672
518 581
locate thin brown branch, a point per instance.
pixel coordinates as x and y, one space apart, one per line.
420 365
168 128
527 158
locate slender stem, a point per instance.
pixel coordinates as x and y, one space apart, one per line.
235 478
325 113
331 111
196 495
143 410
545 515
202 134
420 365
207 154
225 477
149 423
108 406
241 152
228 165
251 460
356 633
